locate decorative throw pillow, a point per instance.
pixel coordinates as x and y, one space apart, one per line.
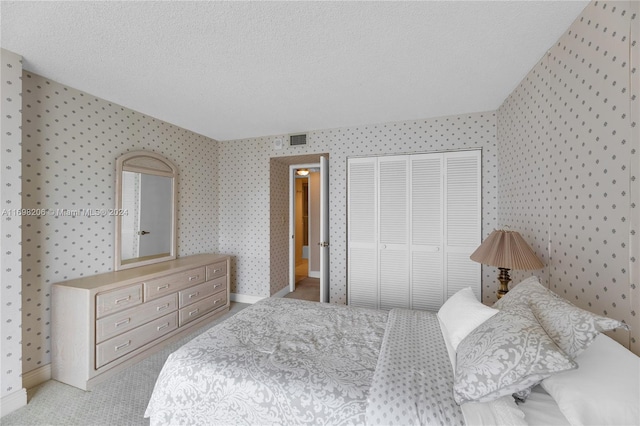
521 294
461 313
506 354
571 328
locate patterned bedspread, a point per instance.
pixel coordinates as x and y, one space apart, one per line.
413 381
291 362
281 361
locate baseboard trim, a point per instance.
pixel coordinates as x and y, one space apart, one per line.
245 298
314 274
35 377
283 292
13 401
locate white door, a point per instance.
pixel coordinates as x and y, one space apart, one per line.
393 231
413 221
462 216
324 230
362 225
427 232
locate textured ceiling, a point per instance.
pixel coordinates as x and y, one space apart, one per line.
232 70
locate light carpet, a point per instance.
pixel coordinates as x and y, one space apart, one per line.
306 289
121 400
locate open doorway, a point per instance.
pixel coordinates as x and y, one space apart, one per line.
305 220
283 230
309 228
303 227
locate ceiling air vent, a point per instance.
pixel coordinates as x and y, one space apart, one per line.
295 140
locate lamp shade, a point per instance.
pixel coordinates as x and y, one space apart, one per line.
506 249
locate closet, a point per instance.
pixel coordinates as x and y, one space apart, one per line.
413 221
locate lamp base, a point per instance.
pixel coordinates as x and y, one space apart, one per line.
504 279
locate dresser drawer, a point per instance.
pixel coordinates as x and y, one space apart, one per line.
121 345
216 270
129 319
202 307
172 283
219 284
194 294
118 300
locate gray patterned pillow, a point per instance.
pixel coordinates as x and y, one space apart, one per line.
506 354
521 293
571 328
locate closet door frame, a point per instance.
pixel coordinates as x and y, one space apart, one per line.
444 247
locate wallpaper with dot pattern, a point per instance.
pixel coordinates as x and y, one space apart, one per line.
279 225
634 188
10 257
71 141
568 162
74 138
245 203
254 195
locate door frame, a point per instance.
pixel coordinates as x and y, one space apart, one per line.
292 221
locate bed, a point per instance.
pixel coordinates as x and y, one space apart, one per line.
286 361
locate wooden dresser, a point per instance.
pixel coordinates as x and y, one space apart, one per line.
105 323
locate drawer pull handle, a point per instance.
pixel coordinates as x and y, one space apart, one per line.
194 294
123 322
217 285
194 277
194 312
122 299
162 326
215 271
162 287
124 345
215 302
159 308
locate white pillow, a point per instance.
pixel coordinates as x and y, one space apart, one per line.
447 341
462 313
604 390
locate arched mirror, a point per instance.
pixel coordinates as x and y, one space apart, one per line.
146 187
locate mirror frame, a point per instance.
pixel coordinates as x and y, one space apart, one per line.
149 163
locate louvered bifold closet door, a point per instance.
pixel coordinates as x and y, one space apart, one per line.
413 222
427 232
462 220
393 226
362 229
